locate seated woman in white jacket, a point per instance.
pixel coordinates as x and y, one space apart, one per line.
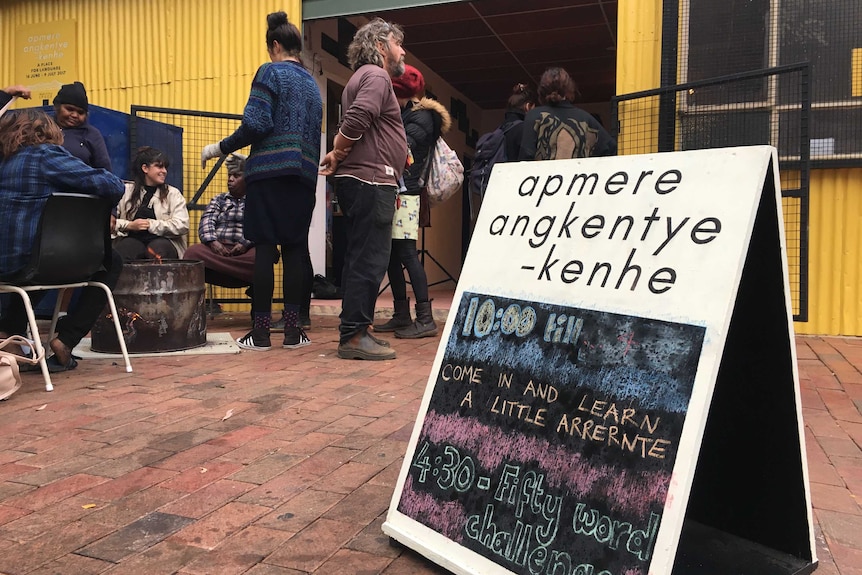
151 220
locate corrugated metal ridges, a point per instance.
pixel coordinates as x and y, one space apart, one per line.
638 45
835 253
167 53
638 68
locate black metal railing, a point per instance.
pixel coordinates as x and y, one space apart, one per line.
770 106
181 134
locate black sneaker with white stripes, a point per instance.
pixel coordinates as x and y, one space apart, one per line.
294 337
255 340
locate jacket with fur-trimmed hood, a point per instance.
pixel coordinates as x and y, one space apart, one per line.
424 122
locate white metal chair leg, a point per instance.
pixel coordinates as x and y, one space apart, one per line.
117 325
56 316
34 332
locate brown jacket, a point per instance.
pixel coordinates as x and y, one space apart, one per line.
372 119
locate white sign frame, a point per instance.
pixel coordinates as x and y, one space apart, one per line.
702 206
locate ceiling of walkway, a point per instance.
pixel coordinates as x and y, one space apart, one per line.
484 47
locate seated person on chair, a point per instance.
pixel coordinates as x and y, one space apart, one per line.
34 165
227 256
151 219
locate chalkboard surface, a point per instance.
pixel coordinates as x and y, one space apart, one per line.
551 435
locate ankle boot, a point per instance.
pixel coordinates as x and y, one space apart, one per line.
363 346
424 325
401 317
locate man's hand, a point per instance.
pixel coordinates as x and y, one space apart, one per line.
238 250
219 248
113 224
210 151
329 163
341 153
340 148
18 90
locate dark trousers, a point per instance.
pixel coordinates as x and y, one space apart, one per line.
72 328
404 253
368 212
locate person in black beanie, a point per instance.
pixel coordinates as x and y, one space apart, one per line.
85 142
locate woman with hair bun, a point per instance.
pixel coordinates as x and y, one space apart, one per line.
281 122
557 130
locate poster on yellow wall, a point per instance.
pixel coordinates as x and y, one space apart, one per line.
46 57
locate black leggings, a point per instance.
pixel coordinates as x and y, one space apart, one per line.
404 253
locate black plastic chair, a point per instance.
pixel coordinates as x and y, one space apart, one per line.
73 242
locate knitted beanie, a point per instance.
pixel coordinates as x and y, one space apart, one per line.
74 94
409 84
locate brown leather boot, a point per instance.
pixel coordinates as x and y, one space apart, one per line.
363 346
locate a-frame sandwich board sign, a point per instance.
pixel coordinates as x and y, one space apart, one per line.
616 391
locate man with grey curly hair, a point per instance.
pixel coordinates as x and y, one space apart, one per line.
364 49
368 156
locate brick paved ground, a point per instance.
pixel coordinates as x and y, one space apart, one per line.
145 473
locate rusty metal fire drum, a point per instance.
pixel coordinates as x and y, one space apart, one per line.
161 307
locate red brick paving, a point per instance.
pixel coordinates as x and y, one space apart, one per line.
143 473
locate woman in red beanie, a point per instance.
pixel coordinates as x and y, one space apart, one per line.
424 120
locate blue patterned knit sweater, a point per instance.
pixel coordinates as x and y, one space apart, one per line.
281 122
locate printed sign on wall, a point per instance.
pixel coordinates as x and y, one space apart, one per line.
46 57
561 427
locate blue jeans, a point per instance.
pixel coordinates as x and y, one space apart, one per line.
368 212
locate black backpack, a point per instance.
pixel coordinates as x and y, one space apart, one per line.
490 149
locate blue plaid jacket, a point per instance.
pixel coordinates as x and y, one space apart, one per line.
27 178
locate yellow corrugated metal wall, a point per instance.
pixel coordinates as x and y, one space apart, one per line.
169 53
638 65
835 230
835 233
166 53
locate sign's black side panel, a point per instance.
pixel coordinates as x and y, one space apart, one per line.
749 478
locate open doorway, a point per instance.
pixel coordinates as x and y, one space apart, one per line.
472 53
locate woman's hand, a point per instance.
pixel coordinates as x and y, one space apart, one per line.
139 225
